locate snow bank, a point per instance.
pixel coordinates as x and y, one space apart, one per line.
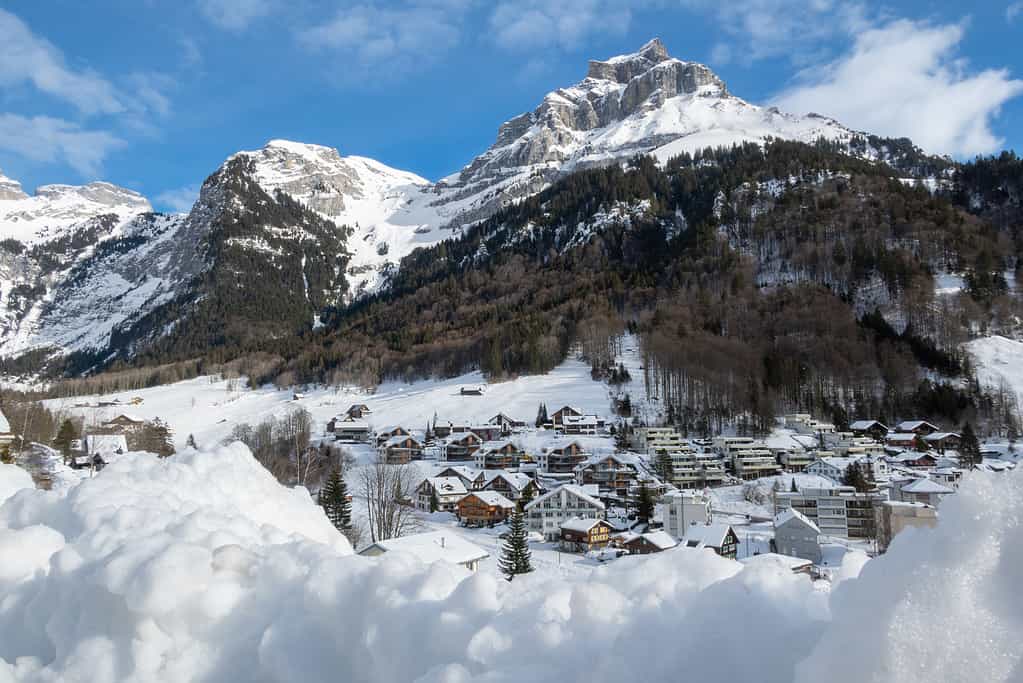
12 480
201 568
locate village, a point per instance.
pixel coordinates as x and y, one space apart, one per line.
598 490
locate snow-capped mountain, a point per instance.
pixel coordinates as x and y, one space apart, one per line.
90 268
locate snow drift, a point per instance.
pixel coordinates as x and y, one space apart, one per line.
201 568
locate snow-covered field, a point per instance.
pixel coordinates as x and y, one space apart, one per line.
210 407
202 568
998 359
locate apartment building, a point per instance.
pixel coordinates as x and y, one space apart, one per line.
837 510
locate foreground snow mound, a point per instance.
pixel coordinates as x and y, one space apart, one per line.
202 568
12 480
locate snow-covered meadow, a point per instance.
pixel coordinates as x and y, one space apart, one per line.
201 567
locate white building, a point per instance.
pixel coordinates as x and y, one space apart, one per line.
651 440
797 535
430 547
447 490
680 509
837 511
545 514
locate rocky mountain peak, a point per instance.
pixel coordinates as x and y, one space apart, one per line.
10 188
624 68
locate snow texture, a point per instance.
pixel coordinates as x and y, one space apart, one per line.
201 568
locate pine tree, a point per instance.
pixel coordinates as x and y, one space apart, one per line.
525 498
541 415
65 435
333 498
434 502
645 504
795 489
969 447
854 477
515 556
191 442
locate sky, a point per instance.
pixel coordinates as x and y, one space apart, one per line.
155 94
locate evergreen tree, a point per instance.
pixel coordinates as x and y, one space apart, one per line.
541 415
525 498
645 504
622 437
191 442
65 435
854 477
795 489
333 498
663 465
515 556
434 502
969 447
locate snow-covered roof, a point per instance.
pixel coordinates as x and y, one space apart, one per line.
712 535
902 437
447 486
127 416
790 514
395 440
432 546
580 524
927 486
459 436
910 425
469 473
517 480
351 424
489 446
660 539
939 436
578 491
863 425
493 498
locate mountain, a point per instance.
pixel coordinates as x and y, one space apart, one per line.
287 236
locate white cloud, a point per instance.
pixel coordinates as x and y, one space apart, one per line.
530 24
52 140
27 58
905 79
235 15
179 200
764 29
1013 11
392 38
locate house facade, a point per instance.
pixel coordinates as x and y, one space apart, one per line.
447 491
720 538
401 450
484 508
837 510
582 534
797 536
562 459
546 513
682 509
460 446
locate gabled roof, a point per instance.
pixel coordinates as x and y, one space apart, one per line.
562 446
581 524
938 436
459 436
431 547
786 516
349 423
390 428
569 409
927 486
574 489
489 446
910 425
710 535
395 440
863 425
492 498
131 418
447 486
660 539
517 480
465 472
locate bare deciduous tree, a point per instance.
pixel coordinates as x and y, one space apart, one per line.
387 492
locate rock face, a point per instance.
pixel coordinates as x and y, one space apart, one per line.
10 189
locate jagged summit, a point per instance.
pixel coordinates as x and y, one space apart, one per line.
10 188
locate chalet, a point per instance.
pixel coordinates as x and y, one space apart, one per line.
484 508
582 534
430 547
648 543
358 411
401 449
558 418
918 427
497 455
511 485
917 461
390 432
460 447
797 535
546 513
613 474
720 538
124 424
473 479
581 424
906 440
942 441
350 430
487 432
871 428
923 490
107 446
507 424
562 459
447 491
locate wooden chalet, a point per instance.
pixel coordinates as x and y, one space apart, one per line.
358 411
648 543
124 424
460 447
472 478
558 418
869 428
511 485
401 450
507 424
919 427
563 459
497 455
720 538
943 441
580 534
484 508
388 433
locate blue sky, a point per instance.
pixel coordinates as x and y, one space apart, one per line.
154 94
